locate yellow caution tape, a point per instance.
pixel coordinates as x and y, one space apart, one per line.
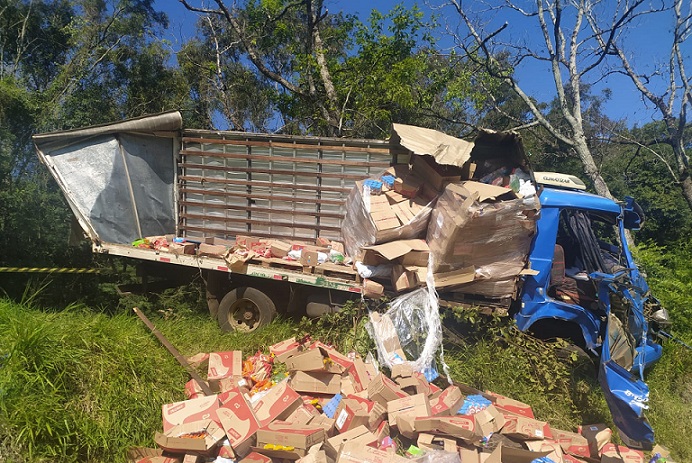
46 270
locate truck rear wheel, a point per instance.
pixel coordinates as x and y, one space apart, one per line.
245 309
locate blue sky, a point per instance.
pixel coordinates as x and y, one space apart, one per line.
648 39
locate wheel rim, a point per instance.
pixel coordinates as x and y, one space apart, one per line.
244 315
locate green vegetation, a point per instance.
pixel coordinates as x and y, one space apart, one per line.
79 385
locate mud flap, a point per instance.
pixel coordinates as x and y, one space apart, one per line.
626 397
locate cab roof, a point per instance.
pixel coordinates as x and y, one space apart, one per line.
562 198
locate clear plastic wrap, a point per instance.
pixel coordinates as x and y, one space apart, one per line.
359 229
493 237
439 456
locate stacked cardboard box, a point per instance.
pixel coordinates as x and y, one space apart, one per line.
485 228
336 408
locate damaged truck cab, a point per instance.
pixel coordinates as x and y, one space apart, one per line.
587 287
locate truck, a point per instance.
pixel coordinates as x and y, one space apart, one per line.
148 177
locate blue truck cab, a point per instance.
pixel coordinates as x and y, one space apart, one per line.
586 286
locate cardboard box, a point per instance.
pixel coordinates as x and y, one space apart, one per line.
506 404
468 427
324 422
571 442
372 289
403 279
406 252
430 442
598 435
352 452
182 248
523 428
212 250
279 403
285 349
279 248
228 384
193 389
416 384
355 411
415 405
359 435
308 257
314 359
317 457
382 390
408 186
302 415
225 364
436 175
255 457
190 458
187 411
447 403
553 447
178 438
386 330
285 434
148 455
238 421
338 247
513 455
612 453
316 383
248 242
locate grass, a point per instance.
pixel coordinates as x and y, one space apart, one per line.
81 385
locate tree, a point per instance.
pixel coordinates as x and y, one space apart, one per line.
674 99
566 47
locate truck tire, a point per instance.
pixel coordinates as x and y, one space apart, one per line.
245 309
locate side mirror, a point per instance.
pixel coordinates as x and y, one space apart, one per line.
633 214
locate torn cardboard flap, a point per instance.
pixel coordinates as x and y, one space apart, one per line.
485 192
188 411
431 442
238 420
316 383
446 149
408 252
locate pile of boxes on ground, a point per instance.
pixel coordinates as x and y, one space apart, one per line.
469 206
328 407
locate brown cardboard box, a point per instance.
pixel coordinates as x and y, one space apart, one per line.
334 355
506 404
313 359
238 421
375 412
431 442
290 435
350 414
408 186
174 439
188 411
324 422
279 403
612 453
308 257
360 435
447 403
317 457
255 457
279 248
571 442
403 279
316 383
523 428
148 455
415 405
352 452
302 415
193 389
468 427
382 390
372 289
190 458
553 447
598 435
383 325
182 248
224 365
512 455
434 174
226 384
337 246
213 250
285 349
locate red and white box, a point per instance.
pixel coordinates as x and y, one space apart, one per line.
278 403
187 411
225 364
238 420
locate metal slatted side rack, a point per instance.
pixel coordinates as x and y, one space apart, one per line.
270 186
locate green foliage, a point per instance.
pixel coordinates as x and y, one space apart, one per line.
345 329
669 275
